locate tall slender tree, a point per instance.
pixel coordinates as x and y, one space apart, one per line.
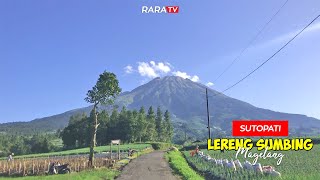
103 118
159 125
141 124
113 123
134 126
168 126
151 126
104 92
123 124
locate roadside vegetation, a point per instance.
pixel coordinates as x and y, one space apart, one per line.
180 166
160 145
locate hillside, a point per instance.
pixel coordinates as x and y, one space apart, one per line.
185 100
46 124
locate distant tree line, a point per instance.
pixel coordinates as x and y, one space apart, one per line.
127 125
38 143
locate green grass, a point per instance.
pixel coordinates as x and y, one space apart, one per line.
86 150
181 167
296 165
96 174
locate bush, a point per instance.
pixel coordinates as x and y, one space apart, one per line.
160 145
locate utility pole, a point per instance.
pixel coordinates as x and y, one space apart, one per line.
208 114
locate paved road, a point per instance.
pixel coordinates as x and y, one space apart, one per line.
151 166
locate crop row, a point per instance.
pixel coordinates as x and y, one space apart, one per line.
295 165
39 166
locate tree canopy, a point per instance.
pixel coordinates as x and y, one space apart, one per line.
127 125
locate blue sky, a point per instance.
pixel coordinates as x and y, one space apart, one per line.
51 52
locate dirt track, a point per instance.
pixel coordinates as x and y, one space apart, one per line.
150 166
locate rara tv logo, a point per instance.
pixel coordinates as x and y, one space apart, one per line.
160 9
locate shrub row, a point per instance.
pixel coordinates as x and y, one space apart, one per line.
180 166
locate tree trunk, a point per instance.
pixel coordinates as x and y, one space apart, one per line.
93 136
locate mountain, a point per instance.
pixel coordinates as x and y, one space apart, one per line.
46 124
186 102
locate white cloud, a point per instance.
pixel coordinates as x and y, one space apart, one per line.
153 69
128 69
209 84
315 27
152 63
195 78
184 75
285 37
162 67
145 69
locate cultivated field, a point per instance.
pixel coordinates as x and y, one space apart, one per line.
98 149
295 165
38 164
